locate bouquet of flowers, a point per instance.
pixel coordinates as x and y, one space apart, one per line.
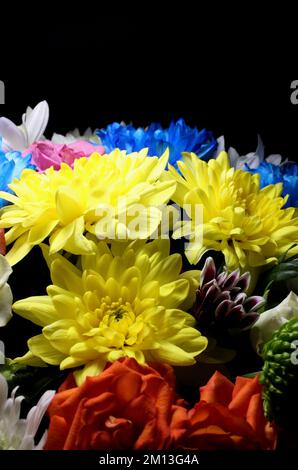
147 290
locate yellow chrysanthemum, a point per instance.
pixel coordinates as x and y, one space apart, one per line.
64 204
127 300
246 223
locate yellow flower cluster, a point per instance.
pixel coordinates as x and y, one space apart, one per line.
64 204
129 300
247 224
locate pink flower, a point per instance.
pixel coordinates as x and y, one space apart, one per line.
46 154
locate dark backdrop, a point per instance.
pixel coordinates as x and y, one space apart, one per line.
231 77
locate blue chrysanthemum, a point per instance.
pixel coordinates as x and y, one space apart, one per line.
287 173
178 137
11 166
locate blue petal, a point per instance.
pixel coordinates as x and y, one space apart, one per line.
178 137
286 173
11 166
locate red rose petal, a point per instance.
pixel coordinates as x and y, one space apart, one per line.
57 433
244 389
218 390
2 242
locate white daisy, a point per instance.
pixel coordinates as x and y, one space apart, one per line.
17 433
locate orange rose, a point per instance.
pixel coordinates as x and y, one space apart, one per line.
128 406
229 416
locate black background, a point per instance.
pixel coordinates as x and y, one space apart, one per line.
227 73
231 76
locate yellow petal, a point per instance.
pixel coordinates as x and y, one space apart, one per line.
173 294
38 309
38 233
41 347
19 250
90 370
68 205
29 360
65 275
172 354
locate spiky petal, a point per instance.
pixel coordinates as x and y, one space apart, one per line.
222 300
17 433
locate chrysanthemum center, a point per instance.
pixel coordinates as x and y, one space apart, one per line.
236 194
117 315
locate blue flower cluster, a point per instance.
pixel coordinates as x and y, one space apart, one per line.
178 137
287 173
11 166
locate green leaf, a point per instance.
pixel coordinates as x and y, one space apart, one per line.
264 307
284 255
281 272
9 370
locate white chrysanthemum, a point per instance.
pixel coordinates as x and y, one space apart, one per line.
5 292
272 320
251 159
17 433
74 136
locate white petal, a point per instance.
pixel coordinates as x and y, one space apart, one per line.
88 132
252 160
220 145
19 431
271 320
5 270
12 409
260 148
275 159
3 393
233 156
27 443
58 139
75 133
36 121
13 136
36 413
26 114
5 304
42 442
18 434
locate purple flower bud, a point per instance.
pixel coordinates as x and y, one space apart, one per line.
222 300
232 279
208 272
253 303
223 310
244 281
